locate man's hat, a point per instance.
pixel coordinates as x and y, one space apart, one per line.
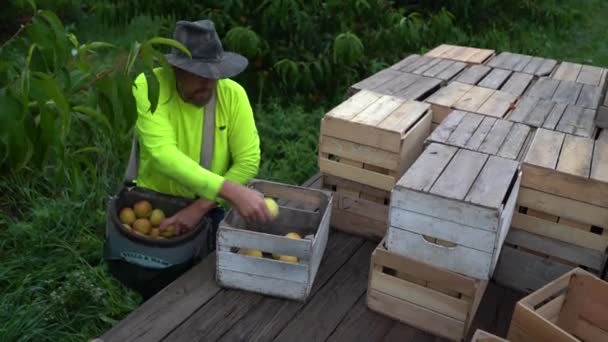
209 59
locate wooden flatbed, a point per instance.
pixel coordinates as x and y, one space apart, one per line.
195 308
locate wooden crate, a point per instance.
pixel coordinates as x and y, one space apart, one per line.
512 82
372 138
528 261
357 208
441 302
523 63
405 85
569 309
302 210
566 92
483 134
469 55
453 209
440 68
484 336
554 116
580 73
469 98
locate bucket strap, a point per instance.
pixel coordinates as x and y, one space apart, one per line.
206 149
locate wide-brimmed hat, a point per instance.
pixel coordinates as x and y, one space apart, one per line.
209 59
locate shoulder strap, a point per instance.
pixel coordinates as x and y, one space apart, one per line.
206 148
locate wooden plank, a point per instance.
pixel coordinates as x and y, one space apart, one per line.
270 243
545 148
513 145
522 62
402 118
577 120
402 332
451 71
426 66
376 79
416 316
544 88
353 223
318 319
554 116
498 104
473 99
500 60
559 232
552 309
353 105
263 267
533 65
427 168
248 282
443 132
567 92
265 320
575 157
459 175
492 184
589 97
588 332
540 112
574 254
505 310
481 133
370 209
401 81
404 62
567 208
523 109
517 84
378 111
419 89
342 183
471 237
495 79
465 130
546 67
590 75
524 271
528 326
599 165
350 329
420 62
437 68
173 304
567 71
359 152
496 137
448 95
473 74
357 174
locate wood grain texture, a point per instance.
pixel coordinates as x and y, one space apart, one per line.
533 65
578 121
517 84
523 109
473 99
492 184
495 79
599 165
473 74
575 157
497 105
376 79
545 149
539 114
443 132
353 105
350 329
459 175
484 129
451 71
467 126
554 116
514 144
427 168
567 92
567 71
589 96
544 88
496 138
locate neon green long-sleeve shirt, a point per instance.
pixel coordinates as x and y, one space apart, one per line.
170 140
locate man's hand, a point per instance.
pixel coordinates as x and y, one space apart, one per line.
249 203
187 218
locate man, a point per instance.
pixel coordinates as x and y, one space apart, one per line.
201 142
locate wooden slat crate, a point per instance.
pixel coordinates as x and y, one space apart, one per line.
566 92
357 208
550 115
469 55
405 85
512 82
580 73
528 261
483 134
453 209
441 302
523 63
571 308
469 98
372 138
601 116
484 336
440 68
266 275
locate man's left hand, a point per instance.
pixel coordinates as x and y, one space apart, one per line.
187 218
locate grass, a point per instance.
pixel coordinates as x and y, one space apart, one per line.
53 283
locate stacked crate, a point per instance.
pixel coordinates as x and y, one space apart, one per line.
366 143
562 211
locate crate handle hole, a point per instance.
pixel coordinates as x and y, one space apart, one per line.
438 242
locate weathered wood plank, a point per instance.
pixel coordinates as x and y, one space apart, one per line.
376 79
599 165
264 321
465 130
394 85
522 62
425 171
554 116
517 84
546 67
172 305
473 74
575 157
459 175
496 175
523 109
473 99
544 88
451 71
443 132
567 71
426 66
498 104
322 314
405 61
378 111
495 79
416 64
514 143
545 148
577 120
375 326
589 96
353 105
533 65
497 136
590 74
359 152
402 118
448 95
500 60
419 89
481 133
540 112
567 92
438 68
401 332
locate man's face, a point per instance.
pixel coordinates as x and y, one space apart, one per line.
194 89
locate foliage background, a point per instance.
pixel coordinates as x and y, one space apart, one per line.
59 161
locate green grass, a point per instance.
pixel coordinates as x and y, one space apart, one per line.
53 283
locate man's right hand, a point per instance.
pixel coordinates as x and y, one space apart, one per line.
249 203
